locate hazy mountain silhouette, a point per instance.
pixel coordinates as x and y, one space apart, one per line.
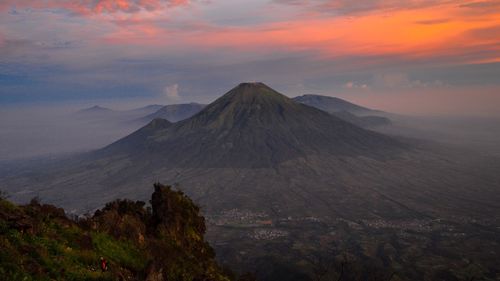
174 112
333 104
347 111
99 112
96 109
148 109
119 118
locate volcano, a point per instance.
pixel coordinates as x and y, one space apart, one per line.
253 126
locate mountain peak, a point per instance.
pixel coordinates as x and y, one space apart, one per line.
252 84
246 105
252 89
95 109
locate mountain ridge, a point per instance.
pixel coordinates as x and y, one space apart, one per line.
333 104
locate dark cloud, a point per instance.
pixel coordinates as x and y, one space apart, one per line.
360 6
432 22
485 33
481 8
481 5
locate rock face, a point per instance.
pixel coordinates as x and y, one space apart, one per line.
164 242
252 126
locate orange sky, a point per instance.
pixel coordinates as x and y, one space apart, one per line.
443 29
322 46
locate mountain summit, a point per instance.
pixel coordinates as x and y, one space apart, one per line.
252 126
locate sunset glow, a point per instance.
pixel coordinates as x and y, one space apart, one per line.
340 42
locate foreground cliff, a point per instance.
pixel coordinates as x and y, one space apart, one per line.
161 242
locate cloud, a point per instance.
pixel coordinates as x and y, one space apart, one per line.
354 85
84 7
433 21
172 92
487 33
349 7
120 50
481 7
403 81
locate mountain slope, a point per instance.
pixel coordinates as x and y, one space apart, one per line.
254 126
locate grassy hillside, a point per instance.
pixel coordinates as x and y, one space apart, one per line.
161 242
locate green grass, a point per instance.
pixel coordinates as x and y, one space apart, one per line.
119 252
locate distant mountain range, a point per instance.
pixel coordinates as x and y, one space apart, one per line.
96 109
103 114
352 113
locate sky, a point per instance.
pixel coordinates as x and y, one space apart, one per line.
415 56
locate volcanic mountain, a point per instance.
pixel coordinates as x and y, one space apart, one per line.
253 126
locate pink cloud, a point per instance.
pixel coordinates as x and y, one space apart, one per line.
84 7
413 30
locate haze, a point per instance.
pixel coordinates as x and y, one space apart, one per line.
437 61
